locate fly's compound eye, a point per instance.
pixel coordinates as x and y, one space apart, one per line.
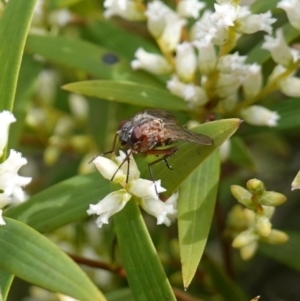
136 134
121 124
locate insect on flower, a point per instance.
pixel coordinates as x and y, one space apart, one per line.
150 129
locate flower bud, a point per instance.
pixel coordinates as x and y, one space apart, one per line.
278 48
185 62
263 225
109 169
271 198
245 238
207 57
258 115
242 195
276 237
153 63
292 9
268 211
296 182
6 118
253 80
290 86
256 186
248 251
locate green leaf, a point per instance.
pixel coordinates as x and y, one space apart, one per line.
95 60
287 253
196 204
5 284
190 155
28 75
223 283
14 25
240 154
120 295
145 274
289 112
62 203
128 92
32 257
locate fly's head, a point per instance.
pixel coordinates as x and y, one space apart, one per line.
129 133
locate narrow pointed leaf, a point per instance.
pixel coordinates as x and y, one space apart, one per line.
29 255
190 155
145 274
128 92
14 25
81 55
196 204
5 283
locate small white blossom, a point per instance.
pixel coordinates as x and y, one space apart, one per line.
290 86
153 63
143 189
253 23
10 182
2 222
163 211
185 62
258 115
126 9
79 106
229 102
171 34
207 57
225 149
228 84
224 15
292 9
47 86
6 118
190 8
111 204
232 62
108 169
253 80
278 48
192 94
156 13
60 17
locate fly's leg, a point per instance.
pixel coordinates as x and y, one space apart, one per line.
166 154
127 158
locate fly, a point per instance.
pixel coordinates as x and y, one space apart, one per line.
150 129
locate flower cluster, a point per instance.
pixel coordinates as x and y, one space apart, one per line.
202 70
145 191
10 182
249 225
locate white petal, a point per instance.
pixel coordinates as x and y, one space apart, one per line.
111 204
292 9
144 188
190 8
158 209
108 168
134 172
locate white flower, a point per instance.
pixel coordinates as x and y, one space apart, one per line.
111 204
126 9
145 188
292 9
60 17
109 169
207 57
150 62
192 94
6 118
78 106
163 211
252 80
2 222
232 62
225 150
185 62
258 115
171 34
147 191
10 181
252 23
278 48
156 12
190 8
224 15
290 86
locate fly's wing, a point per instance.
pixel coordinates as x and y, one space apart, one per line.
176 132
